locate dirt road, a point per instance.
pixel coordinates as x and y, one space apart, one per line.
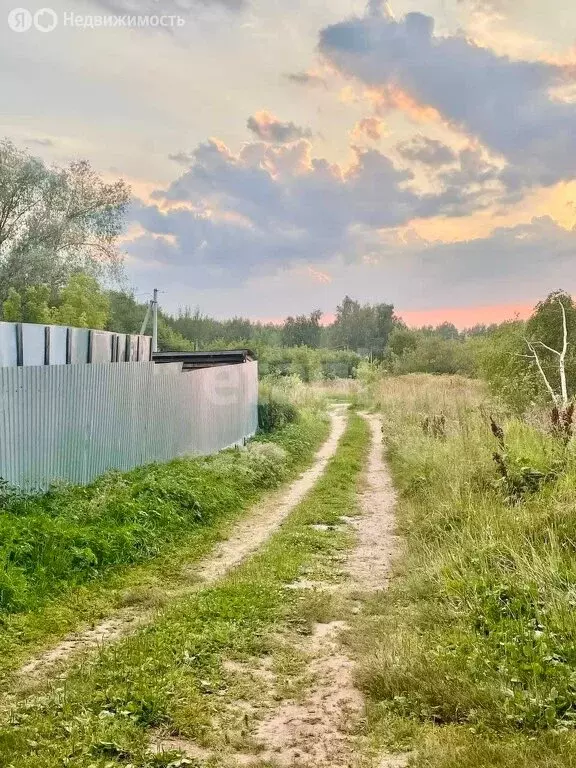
319 726
319 731
246 538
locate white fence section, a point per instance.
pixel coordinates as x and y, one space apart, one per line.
32 344
74 422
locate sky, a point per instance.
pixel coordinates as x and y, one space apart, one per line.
285 154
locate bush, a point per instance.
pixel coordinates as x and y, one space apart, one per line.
436 355
307 364
275 414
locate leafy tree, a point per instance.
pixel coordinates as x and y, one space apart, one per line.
126 314
205 331
55 222
402 340
303 330
83 304
29 306
433 354
545 330
12 307
501 361
362 327
169 340
447 331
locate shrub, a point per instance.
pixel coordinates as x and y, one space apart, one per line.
275 414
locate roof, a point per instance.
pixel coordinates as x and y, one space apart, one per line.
207 359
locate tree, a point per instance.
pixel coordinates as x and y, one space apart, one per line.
126 314
362 327
501 362
55 222
83 304
402 340
433 354
12 307
30 306
550 333
447 331
302 331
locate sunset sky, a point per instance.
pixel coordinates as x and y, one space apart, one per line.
285 153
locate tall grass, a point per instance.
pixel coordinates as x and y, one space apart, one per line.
479 628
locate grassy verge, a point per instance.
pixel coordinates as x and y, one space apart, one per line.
172 675
72 555
469 659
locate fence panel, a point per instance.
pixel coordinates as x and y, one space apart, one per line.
74 422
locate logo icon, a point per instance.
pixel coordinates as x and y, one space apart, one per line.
45 20
19 20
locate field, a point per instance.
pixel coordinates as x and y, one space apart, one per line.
417 612
468 659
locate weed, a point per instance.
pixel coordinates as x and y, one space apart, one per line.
275 414
562 422
435 426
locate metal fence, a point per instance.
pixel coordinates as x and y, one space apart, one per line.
34 344
74 422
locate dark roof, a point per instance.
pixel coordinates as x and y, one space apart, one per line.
209 359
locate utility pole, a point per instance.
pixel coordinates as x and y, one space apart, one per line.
145 322
155 321
152 306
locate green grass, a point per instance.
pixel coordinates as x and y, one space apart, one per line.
74 554
470 658
172 675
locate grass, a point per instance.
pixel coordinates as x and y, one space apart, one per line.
74 554
172 676
469 658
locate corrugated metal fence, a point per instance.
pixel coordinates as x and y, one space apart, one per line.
73 422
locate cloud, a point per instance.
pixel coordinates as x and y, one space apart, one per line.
269 128
505 104
489 6
378 9
534 258
513 264
427 151
232 216
182 158
271 205
307 78
41 142
319 277
368 128
471 183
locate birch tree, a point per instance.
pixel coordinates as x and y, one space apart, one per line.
551 332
